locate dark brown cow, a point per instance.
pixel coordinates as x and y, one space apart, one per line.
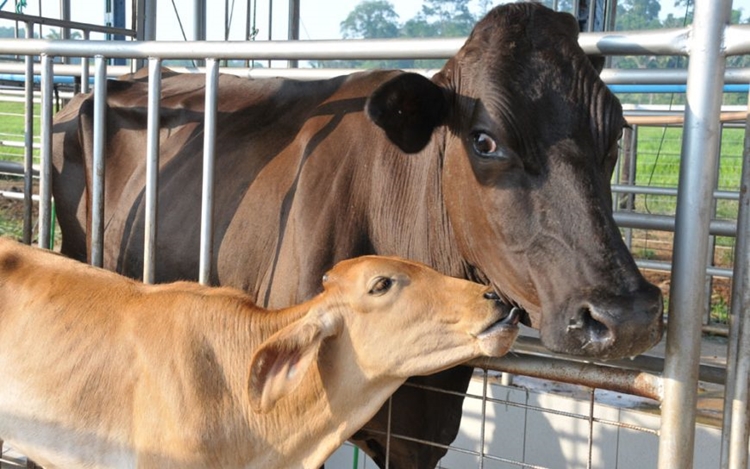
497 169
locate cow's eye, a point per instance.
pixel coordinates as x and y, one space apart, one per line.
381 285
484 144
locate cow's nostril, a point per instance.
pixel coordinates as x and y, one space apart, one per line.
595 329
491 295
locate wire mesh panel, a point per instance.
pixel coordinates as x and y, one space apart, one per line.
538 423
503 425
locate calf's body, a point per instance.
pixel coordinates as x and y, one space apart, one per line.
103 371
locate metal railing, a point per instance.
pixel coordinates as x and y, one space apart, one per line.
707 42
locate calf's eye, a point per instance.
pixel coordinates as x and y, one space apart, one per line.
381 285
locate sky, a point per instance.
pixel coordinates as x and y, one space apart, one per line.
320 19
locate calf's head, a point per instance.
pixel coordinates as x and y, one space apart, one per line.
391 319
529 135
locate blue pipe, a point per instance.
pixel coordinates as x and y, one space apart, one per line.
738 88
37 79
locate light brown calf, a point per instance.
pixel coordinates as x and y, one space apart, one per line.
102 371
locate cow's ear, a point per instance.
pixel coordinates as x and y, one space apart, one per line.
282 361
408 107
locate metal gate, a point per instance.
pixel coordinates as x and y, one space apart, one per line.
707 42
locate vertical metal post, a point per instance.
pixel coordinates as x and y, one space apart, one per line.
28 140
85 68
45 173
249 29
199 27
736 429
149 20
711 253
145 24
209 144
294 13
226 20
270 26
482 429
700 148
65 16
388 434
118 21
97 176
152 169
632 170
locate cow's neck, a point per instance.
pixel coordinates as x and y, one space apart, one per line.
407 211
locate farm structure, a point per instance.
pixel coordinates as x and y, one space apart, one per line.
674 381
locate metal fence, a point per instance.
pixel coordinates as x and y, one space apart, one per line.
674 382
646 182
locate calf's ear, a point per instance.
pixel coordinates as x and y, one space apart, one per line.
280 363
408 107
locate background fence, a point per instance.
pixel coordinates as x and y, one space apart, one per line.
701 214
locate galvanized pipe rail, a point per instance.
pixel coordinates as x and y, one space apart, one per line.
664 42
736 426
700 151
22 18
608 75
152 169
708 41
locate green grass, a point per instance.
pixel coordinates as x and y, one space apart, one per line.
658 164
12 129
719 310
9 226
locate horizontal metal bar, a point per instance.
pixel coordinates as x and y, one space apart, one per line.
655 118
668 88
736 40
6 15
245 50
666 76
18 169
627 381
667 267
667 223
659 42
654 364
656 42
609 76
18 196
669 191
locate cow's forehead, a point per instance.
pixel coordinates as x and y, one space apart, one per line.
519 49
511 29
527 57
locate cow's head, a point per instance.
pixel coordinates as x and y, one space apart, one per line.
530 134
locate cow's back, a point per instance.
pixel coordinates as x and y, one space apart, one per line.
275 138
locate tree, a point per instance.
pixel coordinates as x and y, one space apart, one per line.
56 34
7 32
562 5
441 18
633 15
371 19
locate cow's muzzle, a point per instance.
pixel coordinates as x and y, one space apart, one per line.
608 326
